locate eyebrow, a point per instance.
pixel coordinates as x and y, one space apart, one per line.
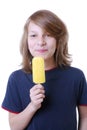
32 31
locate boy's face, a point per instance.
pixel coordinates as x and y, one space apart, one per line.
40 43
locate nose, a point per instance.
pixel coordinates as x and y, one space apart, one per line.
41 41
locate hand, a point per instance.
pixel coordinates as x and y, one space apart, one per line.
37 95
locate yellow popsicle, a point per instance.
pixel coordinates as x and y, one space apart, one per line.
38 71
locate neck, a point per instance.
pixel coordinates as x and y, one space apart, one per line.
50 64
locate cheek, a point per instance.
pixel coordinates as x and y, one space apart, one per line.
53 50
53 47
30 45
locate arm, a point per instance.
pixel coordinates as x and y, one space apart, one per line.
82 118
21 120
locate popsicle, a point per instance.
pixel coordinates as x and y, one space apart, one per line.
38 70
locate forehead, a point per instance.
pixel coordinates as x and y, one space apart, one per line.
34 27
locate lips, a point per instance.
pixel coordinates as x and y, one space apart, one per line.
41 50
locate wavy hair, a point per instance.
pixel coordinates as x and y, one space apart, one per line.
52 24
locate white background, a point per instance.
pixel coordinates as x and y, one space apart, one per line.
13 14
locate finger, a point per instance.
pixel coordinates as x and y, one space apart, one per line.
37 87
37 92
38 101
39 96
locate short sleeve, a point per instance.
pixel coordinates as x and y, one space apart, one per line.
82 100
12 100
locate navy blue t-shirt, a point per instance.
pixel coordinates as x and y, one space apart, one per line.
65 89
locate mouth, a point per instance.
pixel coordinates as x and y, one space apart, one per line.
41 50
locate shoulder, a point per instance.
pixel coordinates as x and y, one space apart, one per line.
78 76
75 71
19 78
18 74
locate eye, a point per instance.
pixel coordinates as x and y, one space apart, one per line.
32 35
